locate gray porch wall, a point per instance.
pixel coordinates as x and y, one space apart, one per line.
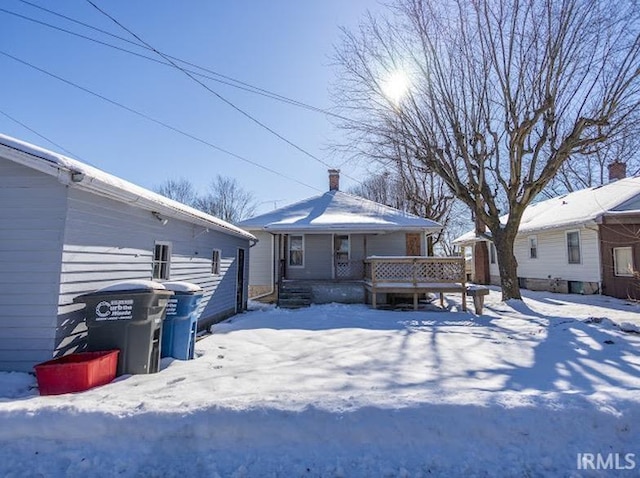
318 258
318 253
393 244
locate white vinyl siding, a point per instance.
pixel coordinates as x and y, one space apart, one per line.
552 257
107 241
623 261
261 266
58 241
31 227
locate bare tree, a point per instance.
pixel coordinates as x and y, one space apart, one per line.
421 193
180 190
591 169
227 200
502 93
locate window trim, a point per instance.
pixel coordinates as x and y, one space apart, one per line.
155 261
216 266
533 247
296 266
566 236
493 253
616 273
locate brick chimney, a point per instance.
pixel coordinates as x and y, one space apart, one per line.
617 170
334 180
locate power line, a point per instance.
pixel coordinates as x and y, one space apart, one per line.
216 94
161 123
248 88
7 115
230 81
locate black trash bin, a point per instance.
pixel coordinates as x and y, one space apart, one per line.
127 316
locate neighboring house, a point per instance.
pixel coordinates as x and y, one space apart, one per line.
326 239
68 228
584 242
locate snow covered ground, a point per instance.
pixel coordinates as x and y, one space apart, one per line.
345 391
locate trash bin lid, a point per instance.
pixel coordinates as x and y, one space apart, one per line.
129 285
184 287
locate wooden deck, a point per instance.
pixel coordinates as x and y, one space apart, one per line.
416 275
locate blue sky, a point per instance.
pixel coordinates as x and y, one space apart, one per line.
284 46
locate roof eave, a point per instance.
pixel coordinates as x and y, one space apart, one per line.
96 186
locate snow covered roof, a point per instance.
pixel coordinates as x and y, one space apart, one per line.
77 174
576 209
338 211
470 237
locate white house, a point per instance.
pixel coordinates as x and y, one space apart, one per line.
584 242
326 238
69 228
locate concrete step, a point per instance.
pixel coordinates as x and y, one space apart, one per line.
301 295
293 303
296 290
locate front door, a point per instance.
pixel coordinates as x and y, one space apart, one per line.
240 300
414 247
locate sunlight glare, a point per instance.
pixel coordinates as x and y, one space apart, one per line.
395 86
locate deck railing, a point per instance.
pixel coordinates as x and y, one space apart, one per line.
349 270
415 275
414 270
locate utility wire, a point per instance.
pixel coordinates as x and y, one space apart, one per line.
248 88
7 115
229 80
238 109
161 123
139 55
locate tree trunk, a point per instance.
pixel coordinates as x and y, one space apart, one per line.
507 263
481 263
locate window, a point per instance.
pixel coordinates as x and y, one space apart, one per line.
161 260
342 248
623 261
492 253
296 251
573 247
215 262
533 247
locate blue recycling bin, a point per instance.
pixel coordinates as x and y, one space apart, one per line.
181 323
